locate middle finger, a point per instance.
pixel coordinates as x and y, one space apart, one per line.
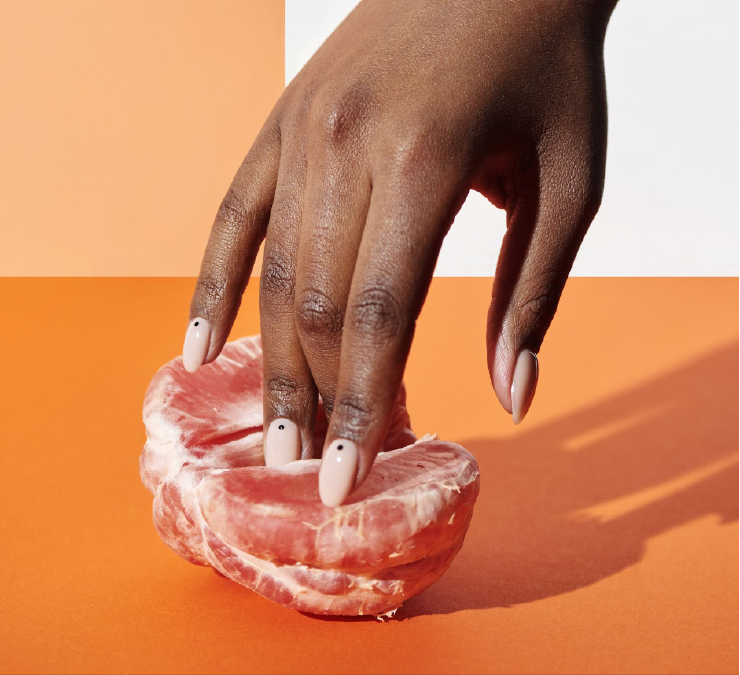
335 208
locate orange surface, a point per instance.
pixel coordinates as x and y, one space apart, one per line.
605 539
121 126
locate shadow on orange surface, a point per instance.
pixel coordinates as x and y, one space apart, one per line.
610 514
576 501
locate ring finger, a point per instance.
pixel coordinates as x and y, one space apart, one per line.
290 395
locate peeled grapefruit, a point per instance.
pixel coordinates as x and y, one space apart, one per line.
215 503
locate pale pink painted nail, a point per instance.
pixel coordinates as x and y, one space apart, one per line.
337 472
523 384
282 442
197 340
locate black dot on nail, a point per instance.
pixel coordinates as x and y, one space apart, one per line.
196 323
340 447
281 427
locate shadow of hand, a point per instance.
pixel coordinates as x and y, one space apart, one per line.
575 501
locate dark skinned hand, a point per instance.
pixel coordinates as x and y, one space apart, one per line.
354 181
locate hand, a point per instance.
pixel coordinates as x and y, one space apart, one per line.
354 181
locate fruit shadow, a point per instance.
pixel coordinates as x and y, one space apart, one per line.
576 500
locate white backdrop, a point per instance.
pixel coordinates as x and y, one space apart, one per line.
670 206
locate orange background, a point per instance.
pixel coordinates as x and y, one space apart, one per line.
121 126
605 539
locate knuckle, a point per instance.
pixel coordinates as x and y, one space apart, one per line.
352 414
317 315
210 289
540 307
338 115
284 392
335 125
538 301
280 384
377 314
283 385
277 282
412 147
237 214
232 213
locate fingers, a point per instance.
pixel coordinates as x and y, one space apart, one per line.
334 215
310 254
546 225
406 223
290 396
231 251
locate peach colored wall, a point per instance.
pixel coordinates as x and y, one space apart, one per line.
121 125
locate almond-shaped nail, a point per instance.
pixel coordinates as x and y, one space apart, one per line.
523 384
282 442
197 339
337 472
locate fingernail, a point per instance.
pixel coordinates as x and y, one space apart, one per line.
523 384
197 339
282 443
337 472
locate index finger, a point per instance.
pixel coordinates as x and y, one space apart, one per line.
232 248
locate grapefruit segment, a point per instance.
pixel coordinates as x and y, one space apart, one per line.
215 503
